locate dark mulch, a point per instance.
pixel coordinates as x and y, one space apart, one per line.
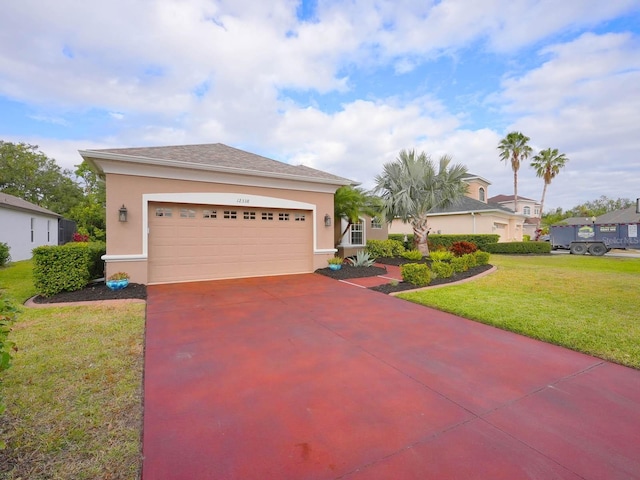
472 272
397 261
348 271
96 291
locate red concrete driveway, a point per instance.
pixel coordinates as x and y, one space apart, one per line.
303 377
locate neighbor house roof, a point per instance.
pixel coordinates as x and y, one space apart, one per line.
508 198
624 215
472 176
468 205
215 157
16 203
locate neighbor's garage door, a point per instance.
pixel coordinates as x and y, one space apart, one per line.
199 242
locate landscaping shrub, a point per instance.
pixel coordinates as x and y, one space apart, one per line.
7 318
400 238
5 257
460 264
470 259
462 248
362 259
440 256
526 238
384 248
412 255
67 267
442 269
417 274
520 247
479 240
482 258
96 251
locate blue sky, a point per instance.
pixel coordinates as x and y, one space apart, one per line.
339 86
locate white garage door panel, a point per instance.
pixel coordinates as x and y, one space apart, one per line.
199 248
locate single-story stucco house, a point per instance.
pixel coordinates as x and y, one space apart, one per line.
203 212
473 214
25 226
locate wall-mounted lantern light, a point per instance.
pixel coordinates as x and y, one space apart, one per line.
122 213
327 220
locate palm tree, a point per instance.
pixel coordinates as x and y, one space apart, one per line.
353 202
411 188
514 148
548 164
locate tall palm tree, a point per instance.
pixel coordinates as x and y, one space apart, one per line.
353 202
411 188
548 164
513 148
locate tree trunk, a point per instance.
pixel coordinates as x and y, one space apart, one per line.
515 191
345 231
421 234
544 192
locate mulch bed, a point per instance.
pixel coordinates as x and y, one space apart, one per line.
348 271
96 291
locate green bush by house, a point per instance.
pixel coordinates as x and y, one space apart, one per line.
482 258
67 267
442 269
384 248
445 241
417 274
519 247
4 254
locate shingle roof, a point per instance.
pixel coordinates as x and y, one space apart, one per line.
467 204
624 215
508 198
16 203
219 157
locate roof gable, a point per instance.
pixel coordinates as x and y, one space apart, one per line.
215 157
467 204
17 203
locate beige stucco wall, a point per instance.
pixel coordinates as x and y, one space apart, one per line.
473 191
484 223
127 238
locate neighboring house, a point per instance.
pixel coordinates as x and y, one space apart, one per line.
202 212
624 215
25 226
526 206
356 236
472 214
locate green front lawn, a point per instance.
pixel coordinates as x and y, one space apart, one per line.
588 304
73 394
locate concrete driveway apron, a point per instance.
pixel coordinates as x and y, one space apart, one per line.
304 377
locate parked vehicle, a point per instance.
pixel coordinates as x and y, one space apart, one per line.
596 239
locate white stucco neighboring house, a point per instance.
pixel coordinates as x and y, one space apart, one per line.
25 226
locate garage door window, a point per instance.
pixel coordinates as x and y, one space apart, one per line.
267 216
209 214
187 213
230 214
249 215
300 217
283 217
163 212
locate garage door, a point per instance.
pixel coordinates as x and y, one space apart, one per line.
203 242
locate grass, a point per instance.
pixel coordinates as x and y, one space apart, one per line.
73 394
588 304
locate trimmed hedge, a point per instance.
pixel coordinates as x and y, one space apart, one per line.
5 256
520 247
67 267
482 258
417 274
442 269
384 248
435 241
412 255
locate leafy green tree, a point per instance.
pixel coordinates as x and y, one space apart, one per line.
547 165
514 149
411 188
28 173
351 203
89 213
600 206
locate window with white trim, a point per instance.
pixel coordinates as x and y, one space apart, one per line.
376 223
526 210
33 226
481 194
48 231
356 234
536 211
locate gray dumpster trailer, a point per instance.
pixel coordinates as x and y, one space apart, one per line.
596 239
